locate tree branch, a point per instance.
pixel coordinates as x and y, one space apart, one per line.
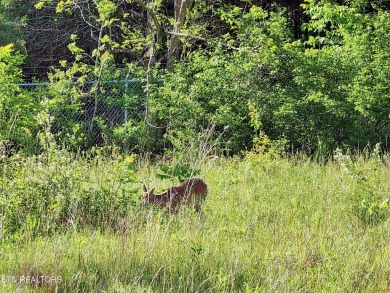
213 41
155 21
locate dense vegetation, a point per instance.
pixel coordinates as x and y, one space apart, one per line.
269 224
293 97
314 75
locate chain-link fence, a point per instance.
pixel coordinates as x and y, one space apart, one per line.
88 114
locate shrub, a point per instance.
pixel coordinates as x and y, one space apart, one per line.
45 193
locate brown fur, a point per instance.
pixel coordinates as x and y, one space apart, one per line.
193 191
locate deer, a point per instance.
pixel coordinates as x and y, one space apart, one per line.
193 191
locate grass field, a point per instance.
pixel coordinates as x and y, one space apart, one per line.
269 225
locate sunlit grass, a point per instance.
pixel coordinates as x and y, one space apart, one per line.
280 225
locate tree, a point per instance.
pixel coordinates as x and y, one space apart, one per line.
11 24
18 108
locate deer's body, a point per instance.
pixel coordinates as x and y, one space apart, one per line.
193 191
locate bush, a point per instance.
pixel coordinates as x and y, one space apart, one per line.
19 109
366 203
52 191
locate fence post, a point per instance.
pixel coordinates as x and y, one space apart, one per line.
95 106
126 111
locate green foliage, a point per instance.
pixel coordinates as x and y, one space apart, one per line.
12 22
65 109
369 89
56 190
214 86
372 213
325 90
243 81
18 108
75 121
347 49
181 172
311 94
269 225
367 204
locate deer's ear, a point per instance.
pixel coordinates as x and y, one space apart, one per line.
144 188
152 190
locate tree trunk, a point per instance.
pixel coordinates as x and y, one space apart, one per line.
180 8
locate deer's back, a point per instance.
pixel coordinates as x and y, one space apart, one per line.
193 187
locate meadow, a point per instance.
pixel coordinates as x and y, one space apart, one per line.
270 224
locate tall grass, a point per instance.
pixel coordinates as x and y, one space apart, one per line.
279 225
